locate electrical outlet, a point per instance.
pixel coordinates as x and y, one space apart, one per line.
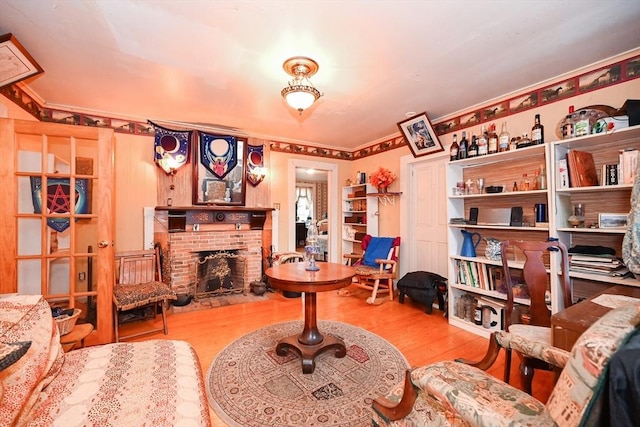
276 206
82 276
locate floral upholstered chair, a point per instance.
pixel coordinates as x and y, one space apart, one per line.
456 394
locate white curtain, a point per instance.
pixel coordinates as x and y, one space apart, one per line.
304 203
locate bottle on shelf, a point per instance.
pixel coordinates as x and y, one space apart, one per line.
537 132
473 148
503 138
542 178
493 139
483 143
582 126
524 141
463 146
454 149
567 125
524 185
513 143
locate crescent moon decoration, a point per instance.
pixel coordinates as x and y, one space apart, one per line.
218 154
171 148
255 164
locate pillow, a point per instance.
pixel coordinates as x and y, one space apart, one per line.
378 248
11 352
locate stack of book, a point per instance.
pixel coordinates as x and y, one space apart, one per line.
606 265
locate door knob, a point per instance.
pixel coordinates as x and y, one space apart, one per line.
103 244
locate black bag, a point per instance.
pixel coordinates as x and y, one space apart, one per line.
423 287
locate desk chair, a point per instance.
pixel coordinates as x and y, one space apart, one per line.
139 285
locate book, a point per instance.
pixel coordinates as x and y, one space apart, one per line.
582 169
610 172
628 165
562 173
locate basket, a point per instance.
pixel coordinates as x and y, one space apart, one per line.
66 323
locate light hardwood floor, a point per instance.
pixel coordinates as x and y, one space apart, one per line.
422 338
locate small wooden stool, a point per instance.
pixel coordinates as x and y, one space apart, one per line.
77 334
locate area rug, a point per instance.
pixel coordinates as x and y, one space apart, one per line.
248 384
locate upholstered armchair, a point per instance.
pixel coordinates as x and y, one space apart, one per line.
456 394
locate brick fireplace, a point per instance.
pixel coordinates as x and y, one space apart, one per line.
201 231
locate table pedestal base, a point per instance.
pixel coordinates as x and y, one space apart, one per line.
309 352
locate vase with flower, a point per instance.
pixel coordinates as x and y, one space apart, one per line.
382 179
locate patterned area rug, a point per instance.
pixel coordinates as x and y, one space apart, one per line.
248 384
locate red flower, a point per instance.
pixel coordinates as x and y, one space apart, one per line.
382 178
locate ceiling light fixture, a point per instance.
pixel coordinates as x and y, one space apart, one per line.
300 93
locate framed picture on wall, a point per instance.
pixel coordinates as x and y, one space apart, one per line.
15 62
420 136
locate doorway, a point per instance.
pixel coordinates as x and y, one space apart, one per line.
424 215
326 174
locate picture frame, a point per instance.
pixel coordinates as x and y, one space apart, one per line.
420 136
16 63
612 220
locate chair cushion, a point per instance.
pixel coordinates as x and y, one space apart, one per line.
426 411
130 296
479 398
533 341
584 375
378 248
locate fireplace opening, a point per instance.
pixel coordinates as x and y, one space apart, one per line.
220 273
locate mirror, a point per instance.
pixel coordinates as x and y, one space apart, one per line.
219 171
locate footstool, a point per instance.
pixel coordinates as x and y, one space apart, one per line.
423 287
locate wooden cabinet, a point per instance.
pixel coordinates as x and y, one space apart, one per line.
359 216
509 168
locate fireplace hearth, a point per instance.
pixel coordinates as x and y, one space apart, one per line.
220 273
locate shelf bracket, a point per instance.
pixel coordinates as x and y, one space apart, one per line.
386 198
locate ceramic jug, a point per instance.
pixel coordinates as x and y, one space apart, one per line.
493 248
468 244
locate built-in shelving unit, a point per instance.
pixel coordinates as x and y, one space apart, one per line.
359 216
505 169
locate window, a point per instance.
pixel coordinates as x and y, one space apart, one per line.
304 203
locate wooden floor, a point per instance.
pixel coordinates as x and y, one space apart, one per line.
422 338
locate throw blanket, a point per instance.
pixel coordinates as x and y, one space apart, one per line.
378 248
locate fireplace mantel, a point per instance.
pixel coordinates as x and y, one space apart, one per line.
181 216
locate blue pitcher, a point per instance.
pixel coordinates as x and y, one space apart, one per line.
468 244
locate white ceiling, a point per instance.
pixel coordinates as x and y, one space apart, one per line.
220 62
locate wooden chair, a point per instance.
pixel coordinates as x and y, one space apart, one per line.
532 337
139 285
377 266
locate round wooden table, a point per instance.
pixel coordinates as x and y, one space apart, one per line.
293 277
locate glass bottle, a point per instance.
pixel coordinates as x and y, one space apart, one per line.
483 143
524 141
582 127
524 185
493 139
454 149
503 139
473 148
577 219
537 132
463 146
513 143
567 125
542 178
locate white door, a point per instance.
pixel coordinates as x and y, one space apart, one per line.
424 215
